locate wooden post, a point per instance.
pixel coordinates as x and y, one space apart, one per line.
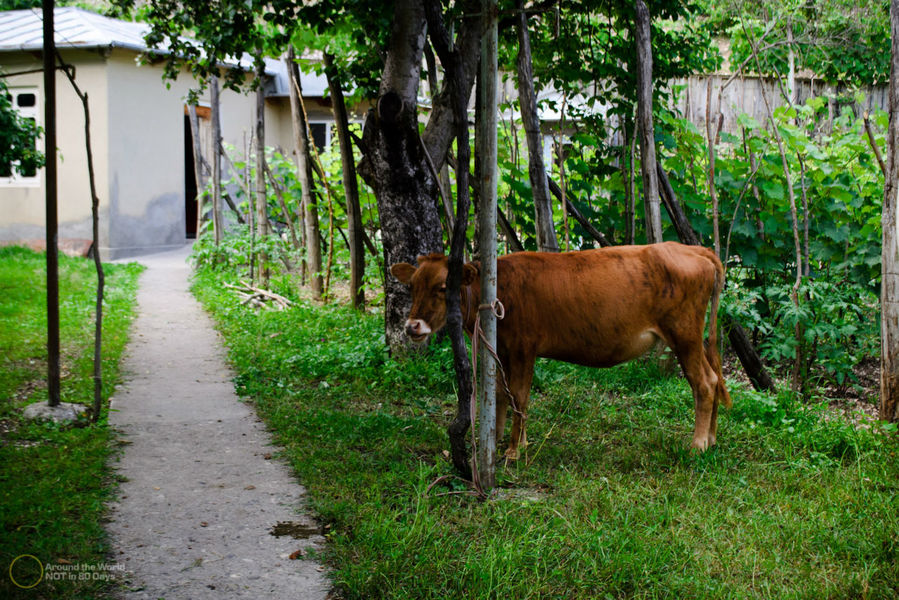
350 185
712 140
889 304
198 160
304 169
216 159
261 197
51 212
487 150
95 231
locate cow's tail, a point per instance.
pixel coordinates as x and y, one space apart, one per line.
711 350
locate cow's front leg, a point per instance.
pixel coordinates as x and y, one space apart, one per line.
518 377
502 405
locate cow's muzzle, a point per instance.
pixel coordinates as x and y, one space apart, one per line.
417 329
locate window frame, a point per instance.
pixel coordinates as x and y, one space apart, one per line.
16 179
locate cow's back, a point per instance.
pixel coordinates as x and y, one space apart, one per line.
600 307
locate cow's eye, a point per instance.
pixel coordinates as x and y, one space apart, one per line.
442 289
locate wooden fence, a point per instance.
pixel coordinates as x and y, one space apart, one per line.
744 95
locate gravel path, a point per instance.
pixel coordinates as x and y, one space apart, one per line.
202 497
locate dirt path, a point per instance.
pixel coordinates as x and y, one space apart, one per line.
201 494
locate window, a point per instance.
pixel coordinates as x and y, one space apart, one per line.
25 102
321 135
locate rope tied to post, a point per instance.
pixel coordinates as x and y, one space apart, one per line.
477 337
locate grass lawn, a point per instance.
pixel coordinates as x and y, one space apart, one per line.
607 501
54 480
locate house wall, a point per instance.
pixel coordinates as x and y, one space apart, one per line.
279 123
137 135
279 126
22 205
145 184
147 169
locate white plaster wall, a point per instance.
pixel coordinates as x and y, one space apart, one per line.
22 207
137 131
145 183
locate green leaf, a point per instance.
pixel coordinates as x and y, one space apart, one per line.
773 189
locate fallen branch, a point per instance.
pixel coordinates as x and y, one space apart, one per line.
259 297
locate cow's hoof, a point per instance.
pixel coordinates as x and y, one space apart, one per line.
699 445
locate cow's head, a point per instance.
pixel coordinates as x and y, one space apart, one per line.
428 285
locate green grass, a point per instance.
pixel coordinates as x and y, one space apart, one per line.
54 480
607 501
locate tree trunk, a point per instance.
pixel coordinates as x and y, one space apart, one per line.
440 130
560 150
304 170
350 186
261 197
395 167
456 93
543 214
685 232
217 223
645 125
889 349
873 143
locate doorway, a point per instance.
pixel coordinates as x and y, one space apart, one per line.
190 183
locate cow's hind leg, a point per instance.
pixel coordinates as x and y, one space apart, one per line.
713 424
703 382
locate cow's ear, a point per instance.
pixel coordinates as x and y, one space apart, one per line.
403 271
469 274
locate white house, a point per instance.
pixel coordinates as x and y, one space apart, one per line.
141 138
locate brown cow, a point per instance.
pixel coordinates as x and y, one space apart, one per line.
595 307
